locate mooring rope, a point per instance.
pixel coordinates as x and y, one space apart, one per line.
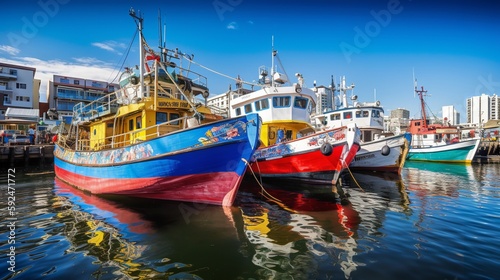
264 192
357 184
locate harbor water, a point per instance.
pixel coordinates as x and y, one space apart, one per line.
434 221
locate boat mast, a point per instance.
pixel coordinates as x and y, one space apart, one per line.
274 52
422 104
333 89
343 92
141 51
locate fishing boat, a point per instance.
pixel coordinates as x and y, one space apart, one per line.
152 138
291 149
380 150
439 142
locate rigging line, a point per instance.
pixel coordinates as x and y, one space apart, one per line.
178 88
221 74
125 58
432 113
282 68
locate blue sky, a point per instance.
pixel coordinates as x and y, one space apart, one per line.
453 47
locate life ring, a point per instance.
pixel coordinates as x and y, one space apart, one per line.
385 150
326 149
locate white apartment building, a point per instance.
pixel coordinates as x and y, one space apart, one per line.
324 99
451 115
18 88
481 109
63 93
220 103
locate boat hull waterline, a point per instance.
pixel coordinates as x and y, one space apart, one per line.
306 160
387 155
460 152
204 164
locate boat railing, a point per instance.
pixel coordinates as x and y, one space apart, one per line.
127 138
102 106
195 77
221 111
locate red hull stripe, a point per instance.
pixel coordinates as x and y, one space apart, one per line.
218 188
309 162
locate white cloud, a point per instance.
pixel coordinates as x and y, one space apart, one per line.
111 46
232 25
103 46
10 50
87 68
87 60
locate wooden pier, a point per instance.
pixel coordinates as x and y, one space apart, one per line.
487 148
488 152
11 155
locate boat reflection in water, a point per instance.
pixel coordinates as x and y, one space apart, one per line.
299 233
436 178
382 190
98 227
271 232
143 238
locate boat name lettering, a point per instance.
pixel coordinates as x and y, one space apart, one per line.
173 104
357 158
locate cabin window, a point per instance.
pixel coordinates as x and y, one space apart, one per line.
238 111
362 114
248 108
262 104
130 125
161 117
300 102
174 118
138 122
281 101
335 117
376 113
347 115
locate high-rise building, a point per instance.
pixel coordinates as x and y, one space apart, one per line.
324 99
18 88
481 109
450 115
